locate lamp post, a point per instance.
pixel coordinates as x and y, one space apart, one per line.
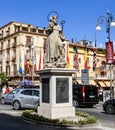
109 23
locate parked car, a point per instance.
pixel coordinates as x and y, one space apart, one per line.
85 95
7 98
26 98
109 106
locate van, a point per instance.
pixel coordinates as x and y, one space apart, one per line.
85 95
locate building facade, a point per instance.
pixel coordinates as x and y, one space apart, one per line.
23 45
101 75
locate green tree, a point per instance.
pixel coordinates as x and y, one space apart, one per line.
3 78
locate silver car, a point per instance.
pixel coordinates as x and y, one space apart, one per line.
26 98
7 98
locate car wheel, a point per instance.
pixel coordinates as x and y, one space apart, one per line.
3 101
75 103
16 105
110 109
36 107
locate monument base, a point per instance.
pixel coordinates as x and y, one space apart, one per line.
54 113
56 93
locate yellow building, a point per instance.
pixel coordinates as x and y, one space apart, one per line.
101 75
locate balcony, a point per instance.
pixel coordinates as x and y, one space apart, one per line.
13 58
14 44
28 44
7 59
8 46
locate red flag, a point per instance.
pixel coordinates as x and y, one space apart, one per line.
76 59
40 58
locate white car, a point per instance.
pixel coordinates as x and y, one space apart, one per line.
26 98
7 98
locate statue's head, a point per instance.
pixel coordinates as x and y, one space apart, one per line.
53 19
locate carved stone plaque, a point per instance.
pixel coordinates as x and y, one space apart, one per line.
62 90
45 90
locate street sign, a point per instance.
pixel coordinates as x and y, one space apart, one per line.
85 76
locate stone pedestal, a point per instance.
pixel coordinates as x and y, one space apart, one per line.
56 93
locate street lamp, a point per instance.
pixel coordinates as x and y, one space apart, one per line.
109 23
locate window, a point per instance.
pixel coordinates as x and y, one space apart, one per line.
7 70
79 60
27 92
28 39
35 93
15 41
17 28
33 30
2 46
2 33
24 29
40 31
14 69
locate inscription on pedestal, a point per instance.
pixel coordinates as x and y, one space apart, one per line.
45 90
62 90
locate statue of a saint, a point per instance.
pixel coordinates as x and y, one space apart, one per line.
54 56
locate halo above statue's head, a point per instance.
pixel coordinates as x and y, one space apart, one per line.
52 13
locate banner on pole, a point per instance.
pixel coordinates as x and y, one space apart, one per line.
109 52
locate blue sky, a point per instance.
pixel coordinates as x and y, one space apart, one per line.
80 16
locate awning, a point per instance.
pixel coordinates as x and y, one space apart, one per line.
101 84
92 82
107 83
